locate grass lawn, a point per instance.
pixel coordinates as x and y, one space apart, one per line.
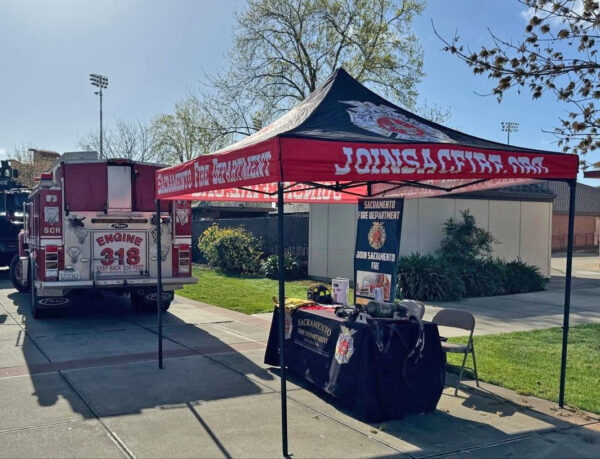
529 362
243 294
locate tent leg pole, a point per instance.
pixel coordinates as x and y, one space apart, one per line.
567 307
281 318
159 286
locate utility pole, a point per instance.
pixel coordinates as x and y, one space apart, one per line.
101 82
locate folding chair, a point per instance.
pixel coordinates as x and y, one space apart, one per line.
456 318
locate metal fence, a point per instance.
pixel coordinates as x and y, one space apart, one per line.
265 228
580 241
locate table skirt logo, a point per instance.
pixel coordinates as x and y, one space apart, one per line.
389 122
344 348
288 326
377 235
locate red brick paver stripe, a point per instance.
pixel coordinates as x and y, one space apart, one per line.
128 358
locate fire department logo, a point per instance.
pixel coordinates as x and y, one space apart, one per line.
164 251
81 233
51 215
344 348
288 326
389 122
377 235
74 253
181 216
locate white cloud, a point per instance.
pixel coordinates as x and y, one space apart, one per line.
3 153
528 13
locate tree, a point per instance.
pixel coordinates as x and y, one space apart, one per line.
558 54
126 139
283 49
186 133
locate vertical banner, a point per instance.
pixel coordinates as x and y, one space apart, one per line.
377 247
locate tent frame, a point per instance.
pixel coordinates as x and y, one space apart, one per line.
281 190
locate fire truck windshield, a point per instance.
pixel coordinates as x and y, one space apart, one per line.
15 201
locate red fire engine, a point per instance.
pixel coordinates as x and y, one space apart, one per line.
91 224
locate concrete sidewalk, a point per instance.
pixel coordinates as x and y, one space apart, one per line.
87 385
525 311
530 311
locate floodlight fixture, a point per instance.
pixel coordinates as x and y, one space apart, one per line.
101 82
508 127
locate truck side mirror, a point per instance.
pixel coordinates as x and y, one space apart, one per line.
15 173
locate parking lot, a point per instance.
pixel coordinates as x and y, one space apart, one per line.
87 384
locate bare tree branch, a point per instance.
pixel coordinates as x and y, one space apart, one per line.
558 54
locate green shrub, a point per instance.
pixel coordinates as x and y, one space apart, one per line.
269 267
234 250
428 278
464 242
520 277
484 278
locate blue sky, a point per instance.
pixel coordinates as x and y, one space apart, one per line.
155 52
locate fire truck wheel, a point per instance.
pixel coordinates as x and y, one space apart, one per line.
142 304
44 306
16 275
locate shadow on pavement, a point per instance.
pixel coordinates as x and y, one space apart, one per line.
474 418
101 358
107 356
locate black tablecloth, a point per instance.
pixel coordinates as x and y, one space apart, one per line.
344 359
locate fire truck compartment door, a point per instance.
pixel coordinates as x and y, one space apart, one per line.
119 254
119 188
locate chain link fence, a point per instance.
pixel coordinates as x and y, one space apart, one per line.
264 228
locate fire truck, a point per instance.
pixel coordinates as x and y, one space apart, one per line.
12 196
92 224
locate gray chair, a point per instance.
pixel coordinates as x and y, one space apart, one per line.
456 318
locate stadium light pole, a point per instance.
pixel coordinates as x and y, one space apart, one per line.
101 82
508 127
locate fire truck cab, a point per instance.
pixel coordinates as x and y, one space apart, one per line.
91 224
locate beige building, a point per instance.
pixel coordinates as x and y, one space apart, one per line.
32 163
520 218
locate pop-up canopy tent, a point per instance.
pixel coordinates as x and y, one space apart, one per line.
344 142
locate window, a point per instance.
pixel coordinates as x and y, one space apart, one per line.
119 188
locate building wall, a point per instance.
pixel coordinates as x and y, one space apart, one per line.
523 230
586 231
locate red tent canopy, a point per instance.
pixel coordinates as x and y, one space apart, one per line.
344 136
342 142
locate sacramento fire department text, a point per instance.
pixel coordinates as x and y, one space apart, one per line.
230 171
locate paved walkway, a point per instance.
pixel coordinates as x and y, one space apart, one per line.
531 311
87 385
585 265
